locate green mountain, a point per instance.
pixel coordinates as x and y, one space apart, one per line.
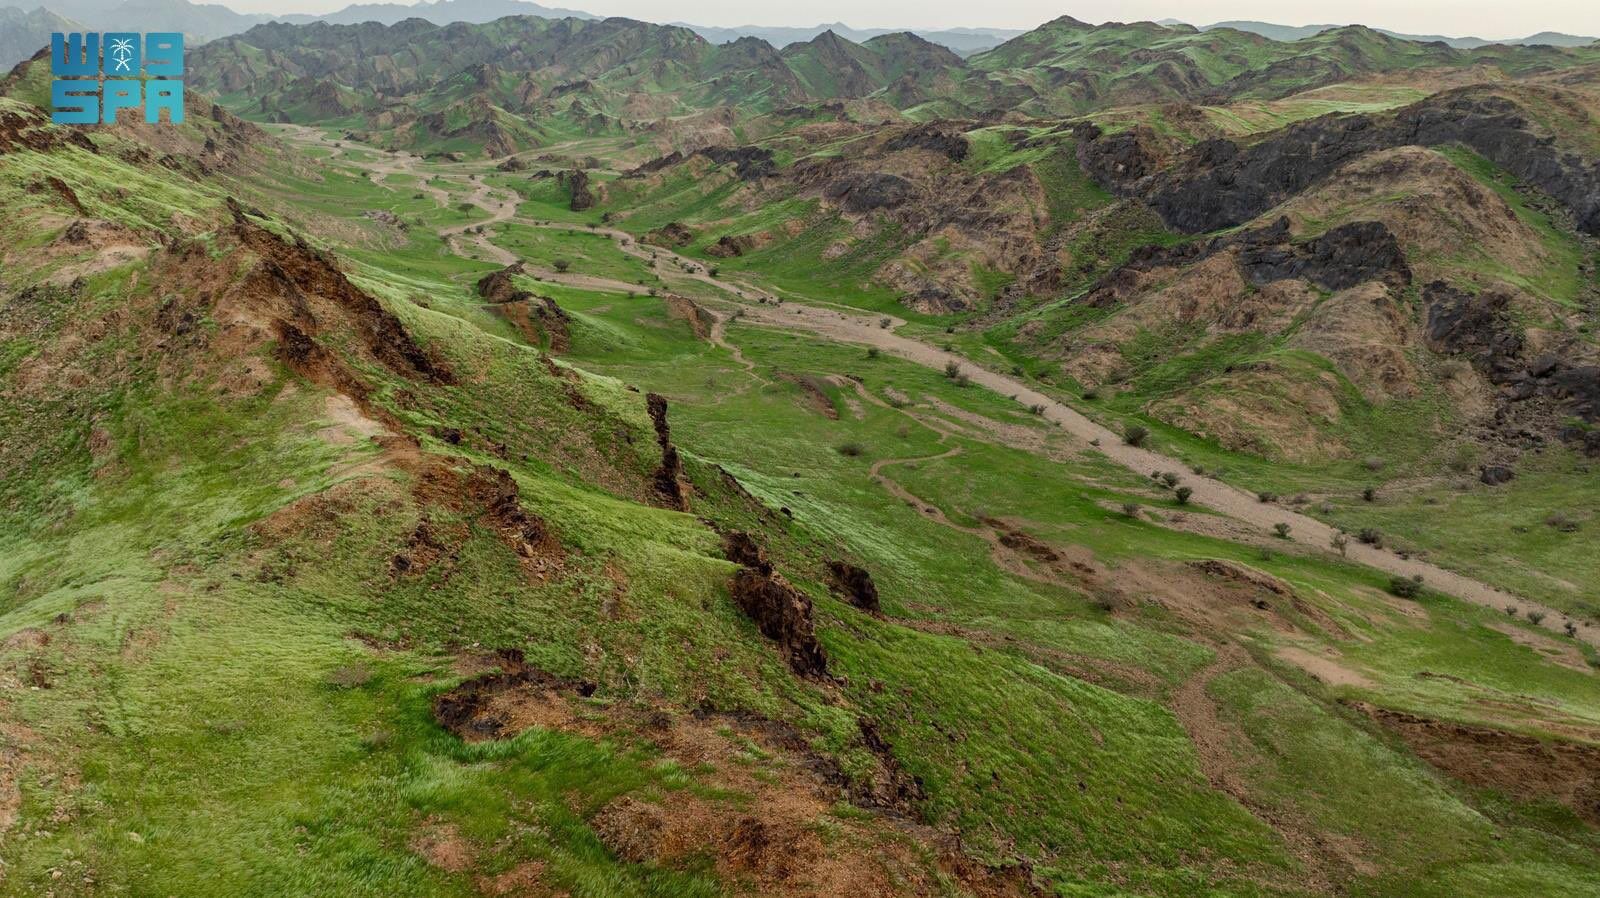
571 458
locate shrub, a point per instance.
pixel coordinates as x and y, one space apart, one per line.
852 450
1370 494
1170 478
952 370
1340 543
1511 611
1406 587
1560 521
562 265
950 329
1373 463
1536 616
1266 497
1372 536
963 381
1131 509
885 322
1135 434
1090 394
1571 628
1281 529
1016 371
1183 494
1036 409
873 352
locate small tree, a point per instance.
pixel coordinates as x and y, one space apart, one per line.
1536 616
1182 495
1511 611
562 265
1135 434
1170 479
952 370
1341 543
1281 529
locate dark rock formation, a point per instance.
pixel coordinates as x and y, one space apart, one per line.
1343 257
783 614
672 233
728 246
669 476
948 143
1220 183
498 286
866 191
749 163
855 585
577 183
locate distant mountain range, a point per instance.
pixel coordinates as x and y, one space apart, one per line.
1296 32
24 32
963 41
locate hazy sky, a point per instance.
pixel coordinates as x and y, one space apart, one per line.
1448 17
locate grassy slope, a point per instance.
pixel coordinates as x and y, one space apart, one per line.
214 740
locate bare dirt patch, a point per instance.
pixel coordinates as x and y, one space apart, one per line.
1523 767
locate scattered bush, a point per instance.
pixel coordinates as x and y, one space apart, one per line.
1571 628
1135 434
852 450
1090 394
1131 509
1373 463
1340 543
1560 521
1370 494
963 381
562 265
1371 536
1036 409
1511 611
952 370
884 323
1281 529
1170 478
873 352
1406 587
1183 494
1016 371
1266 497
1536 616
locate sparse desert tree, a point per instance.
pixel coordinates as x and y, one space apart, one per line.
1182 495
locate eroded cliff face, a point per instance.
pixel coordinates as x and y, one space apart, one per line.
1223 183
